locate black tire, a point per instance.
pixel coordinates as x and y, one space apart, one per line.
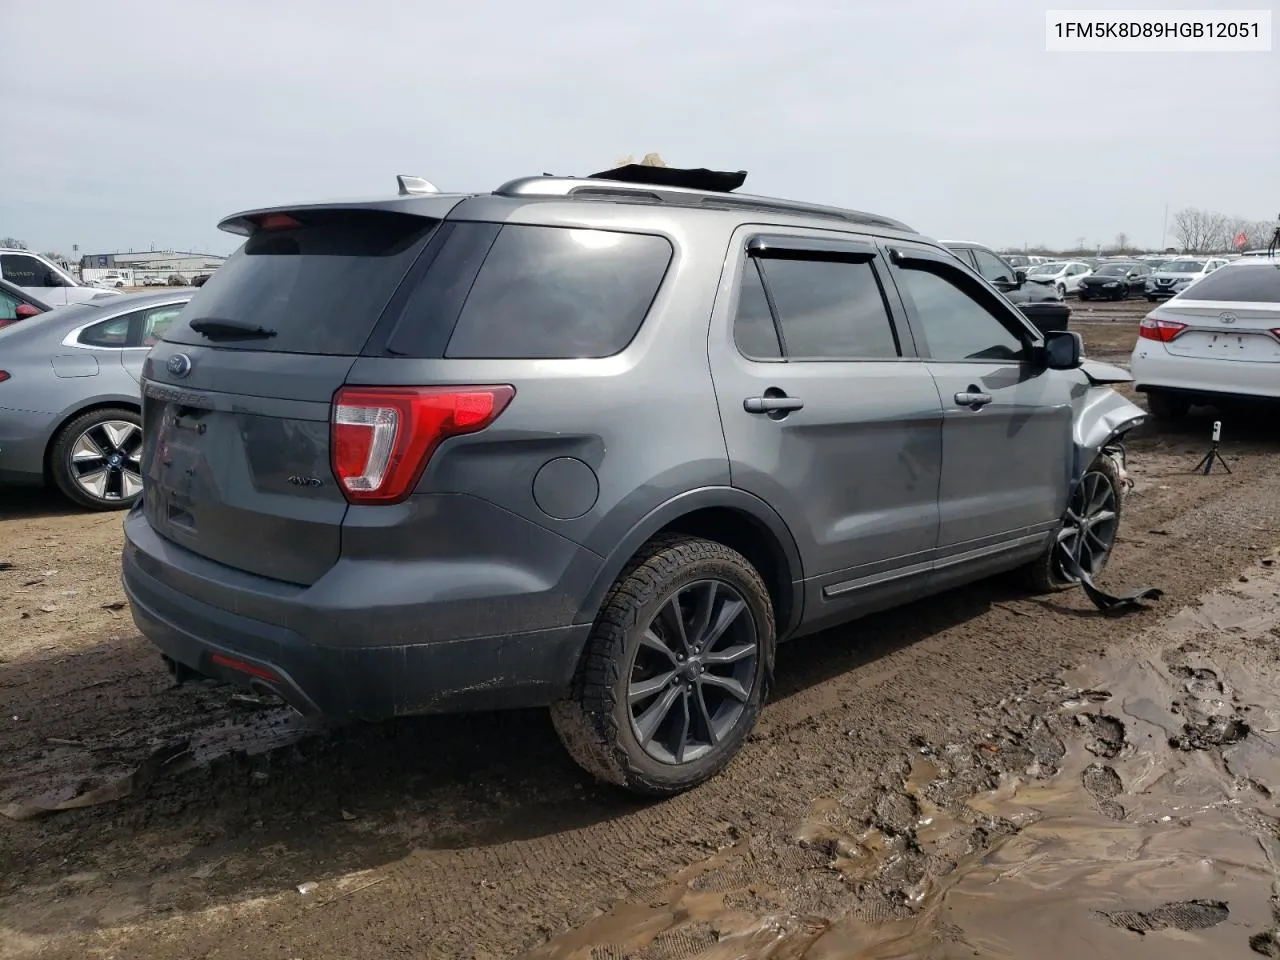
65 472
1167 406
596 723
1045 573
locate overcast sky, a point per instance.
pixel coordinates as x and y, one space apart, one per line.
130 124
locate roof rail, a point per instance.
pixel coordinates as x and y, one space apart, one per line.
581 188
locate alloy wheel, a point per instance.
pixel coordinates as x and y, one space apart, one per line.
106 460
1089 530
693 672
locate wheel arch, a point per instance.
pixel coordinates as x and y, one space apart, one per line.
729 516
64 418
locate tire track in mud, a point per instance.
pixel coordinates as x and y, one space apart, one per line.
848 705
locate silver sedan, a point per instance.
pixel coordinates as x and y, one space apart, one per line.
69 396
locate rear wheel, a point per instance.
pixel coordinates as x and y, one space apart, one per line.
674 674
1167 406
1087 533
96 459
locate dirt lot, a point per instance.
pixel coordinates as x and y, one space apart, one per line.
987 774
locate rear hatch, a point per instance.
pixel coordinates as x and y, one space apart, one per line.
236 398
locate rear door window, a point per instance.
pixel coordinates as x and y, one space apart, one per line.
559 293
829 309
25 271
113 333
321 286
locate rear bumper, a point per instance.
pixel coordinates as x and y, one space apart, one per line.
350 674
1154 368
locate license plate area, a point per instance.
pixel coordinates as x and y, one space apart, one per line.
1254 347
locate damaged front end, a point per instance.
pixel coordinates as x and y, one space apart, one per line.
1101 419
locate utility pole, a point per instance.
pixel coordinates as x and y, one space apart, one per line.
1164 229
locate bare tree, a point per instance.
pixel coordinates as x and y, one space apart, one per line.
12 243
1197 230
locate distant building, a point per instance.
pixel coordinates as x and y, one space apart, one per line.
158 263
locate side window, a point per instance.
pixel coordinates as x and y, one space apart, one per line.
8 307
560 293
753 329
829 310
23 270
992 267
108 333
955 325
156 321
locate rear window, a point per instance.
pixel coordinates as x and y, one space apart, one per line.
532 292
320 286
1244 284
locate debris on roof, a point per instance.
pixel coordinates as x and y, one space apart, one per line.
653 170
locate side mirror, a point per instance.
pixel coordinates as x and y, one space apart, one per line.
1020 276
1062 350
25 311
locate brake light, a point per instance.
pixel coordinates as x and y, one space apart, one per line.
382 437
277 221
4 375
1153 328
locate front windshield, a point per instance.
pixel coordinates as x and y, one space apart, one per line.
1046 268
1183 266
1113 270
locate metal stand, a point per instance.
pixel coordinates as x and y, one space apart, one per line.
1205 465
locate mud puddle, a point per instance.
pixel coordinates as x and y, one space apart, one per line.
1130 808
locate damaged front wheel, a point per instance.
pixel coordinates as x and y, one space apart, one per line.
1087 533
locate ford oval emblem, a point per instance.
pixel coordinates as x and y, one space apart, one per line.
178 365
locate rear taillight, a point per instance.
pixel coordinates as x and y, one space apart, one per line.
4 375
382 437
1153 328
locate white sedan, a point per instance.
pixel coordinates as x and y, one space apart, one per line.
1217 340
1065 275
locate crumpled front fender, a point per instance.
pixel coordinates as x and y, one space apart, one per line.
1101 416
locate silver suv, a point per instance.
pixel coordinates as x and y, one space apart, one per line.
596 444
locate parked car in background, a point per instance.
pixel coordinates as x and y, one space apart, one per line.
110 280
1218 340
44 279
154 281
200 279
1063 275
1174 276
1042 305
177 280
69 396
17 305
1114 280
441 452
1015 260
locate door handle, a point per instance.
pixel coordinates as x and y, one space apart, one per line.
782 404
972 399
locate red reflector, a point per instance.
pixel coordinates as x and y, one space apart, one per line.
277 221
1152 328
4 375
382 437
241 667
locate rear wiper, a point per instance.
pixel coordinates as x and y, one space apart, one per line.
216 329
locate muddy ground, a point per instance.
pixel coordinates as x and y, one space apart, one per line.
987 774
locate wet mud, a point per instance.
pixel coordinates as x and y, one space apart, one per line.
1129 808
